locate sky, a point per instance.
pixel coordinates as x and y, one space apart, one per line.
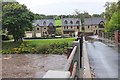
65 7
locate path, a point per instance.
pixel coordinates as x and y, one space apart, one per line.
103 59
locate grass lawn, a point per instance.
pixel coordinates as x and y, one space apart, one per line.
36 43
58 23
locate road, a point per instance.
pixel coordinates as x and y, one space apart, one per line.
103 59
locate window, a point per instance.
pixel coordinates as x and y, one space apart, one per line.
95 26
77 27
77 22
88 26
44 28
64 27
44 23
67 27
45 32
66 22
71 22
71 27
37 28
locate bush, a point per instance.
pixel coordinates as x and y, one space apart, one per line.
37 46
23 48
56 48
5 37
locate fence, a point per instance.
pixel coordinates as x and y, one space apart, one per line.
111 38
73 66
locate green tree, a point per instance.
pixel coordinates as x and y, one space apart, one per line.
80 15
114 23
96 15
16 18
112 15
110 8
39 16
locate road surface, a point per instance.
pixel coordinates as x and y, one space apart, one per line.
103 59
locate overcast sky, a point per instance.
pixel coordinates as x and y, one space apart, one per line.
58 7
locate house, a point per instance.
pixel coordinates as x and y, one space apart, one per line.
71 27
42 28
94 24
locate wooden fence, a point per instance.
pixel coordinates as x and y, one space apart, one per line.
112 38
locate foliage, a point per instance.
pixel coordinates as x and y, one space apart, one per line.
110 8
53 46
112 15
39 16
58 31
58 23
80 15
16 19
96 15
114 23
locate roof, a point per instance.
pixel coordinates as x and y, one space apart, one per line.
93 20
43 22
69 20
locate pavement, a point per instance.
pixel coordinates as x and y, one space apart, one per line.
86 65
103 59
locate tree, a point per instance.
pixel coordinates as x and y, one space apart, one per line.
39 16
112 15
16 18
110 8
96 15
114 23
81 15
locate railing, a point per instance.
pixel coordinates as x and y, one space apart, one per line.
111 37
73 66
119 37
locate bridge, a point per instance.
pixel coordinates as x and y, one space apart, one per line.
91 57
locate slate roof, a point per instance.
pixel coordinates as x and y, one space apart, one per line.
74 20
93 20
44 22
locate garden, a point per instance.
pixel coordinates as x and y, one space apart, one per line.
37 46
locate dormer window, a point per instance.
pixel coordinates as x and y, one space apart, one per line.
37 25
44 23
66 22
71 22
78 22
37 28
51 24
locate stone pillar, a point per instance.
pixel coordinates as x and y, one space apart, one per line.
117 40
116 37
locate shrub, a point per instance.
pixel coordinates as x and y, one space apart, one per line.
37 47
56 48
